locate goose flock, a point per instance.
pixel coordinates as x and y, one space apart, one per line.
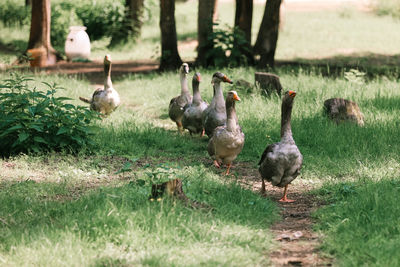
280 163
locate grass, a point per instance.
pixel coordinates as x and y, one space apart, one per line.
360 225
74 194
79 210
43 225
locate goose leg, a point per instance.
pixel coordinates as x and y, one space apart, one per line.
284 198
216 164
179 125
228 168
262 186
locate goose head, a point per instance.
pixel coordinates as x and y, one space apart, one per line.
107 59
289 97
197 77
233 96
220 77
184 69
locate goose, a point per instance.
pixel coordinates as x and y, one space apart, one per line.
227 141
215 114
281 162
104 100
192 116
178 103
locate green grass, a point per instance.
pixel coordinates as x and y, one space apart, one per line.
361 222
45 224
67 210
77 210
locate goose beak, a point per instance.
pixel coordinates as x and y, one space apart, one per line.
107 58
227 80
198 78
292 94
236 97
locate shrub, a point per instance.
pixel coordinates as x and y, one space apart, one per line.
230 47
37 121
62 16
14 14
101 20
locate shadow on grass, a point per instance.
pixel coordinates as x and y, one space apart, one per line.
149 140
374 65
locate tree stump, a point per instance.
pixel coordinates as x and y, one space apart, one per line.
341 110
268 83
173 189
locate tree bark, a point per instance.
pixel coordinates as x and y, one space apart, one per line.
170 58
243 21
39 38
205 31
268 34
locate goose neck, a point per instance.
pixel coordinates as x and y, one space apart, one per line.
286 128
196 94
184 84
107 72
231 117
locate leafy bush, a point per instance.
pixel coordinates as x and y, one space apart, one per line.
230 47
35 121
101 20
14 14
62 16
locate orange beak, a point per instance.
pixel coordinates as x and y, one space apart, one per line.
199 78
292 93
227 80
236 97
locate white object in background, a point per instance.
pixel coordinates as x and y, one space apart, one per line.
77 44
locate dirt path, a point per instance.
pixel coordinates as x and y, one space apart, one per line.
297 243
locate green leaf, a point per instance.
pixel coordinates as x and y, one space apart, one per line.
125 168
11 129
39 139
62 130
22 136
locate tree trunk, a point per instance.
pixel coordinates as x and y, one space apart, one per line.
170 58
132 25
268 34
28 2
243 21
39 45
205 31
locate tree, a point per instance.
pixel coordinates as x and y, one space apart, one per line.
39 37
268 34
243 21
205 17
170 58
132 24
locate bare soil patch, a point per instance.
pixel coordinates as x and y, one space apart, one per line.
298 245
